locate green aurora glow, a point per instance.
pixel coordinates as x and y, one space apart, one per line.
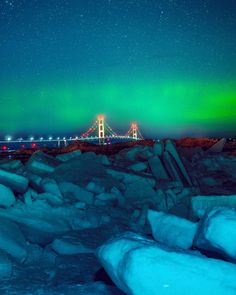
170 65
168 107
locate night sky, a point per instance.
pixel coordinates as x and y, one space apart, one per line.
170 65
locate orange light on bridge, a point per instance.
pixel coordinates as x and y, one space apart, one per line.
134 125
100 117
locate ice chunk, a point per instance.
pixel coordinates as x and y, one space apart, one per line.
158 149
50 186
35 254
35 182
17 183
131 154
144 153
104 199
139 266
201 204
217 147
38 222
127 177
104 160
42 164
138 167
80 170
7 197
10 165
68 156
70 245
68 188
28 197
157 168
52 199
139 190
95 187
173 231
5 266
217 232
171 149
81 205
121 199
12 241
172 167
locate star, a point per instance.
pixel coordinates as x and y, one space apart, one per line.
9 3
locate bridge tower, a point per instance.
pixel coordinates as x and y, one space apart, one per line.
101 129
134 131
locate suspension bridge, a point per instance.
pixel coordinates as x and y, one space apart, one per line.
100 132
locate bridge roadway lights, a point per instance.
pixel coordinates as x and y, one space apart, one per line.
133 134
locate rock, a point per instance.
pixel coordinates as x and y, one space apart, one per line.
12 241
17 183
157 168
50 186
77 192
201 204
69 245
138 167
158 149
173 231
7 197
217 232
68 156
5 266
42 164
140 266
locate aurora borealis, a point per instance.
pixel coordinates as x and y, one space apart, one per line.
170 65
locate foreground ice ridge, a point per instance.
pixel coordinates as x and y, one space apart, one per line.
140 266
56 211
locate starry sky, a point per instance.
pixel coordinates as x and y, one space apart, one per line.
170 65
